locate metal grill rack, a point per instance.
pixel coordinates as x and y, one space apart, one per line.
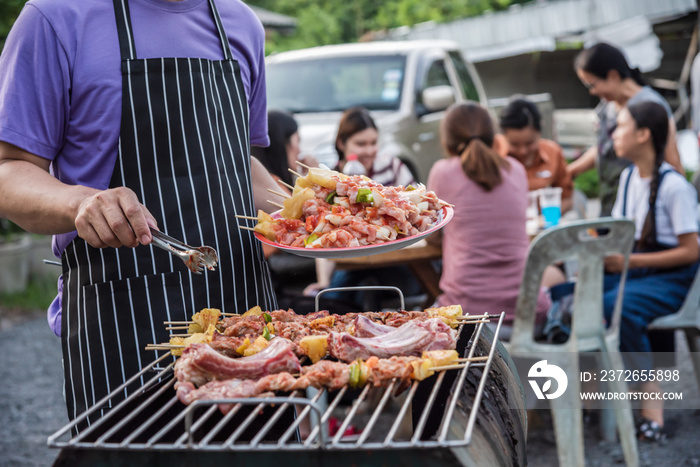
119 429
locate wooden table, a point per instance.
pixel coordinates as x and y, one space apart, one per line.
418 257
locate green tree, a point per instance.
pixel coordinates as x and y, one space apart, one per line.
322 22
9 9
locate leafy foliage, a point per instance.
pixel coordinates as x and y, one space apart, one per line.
323 22
9 9
9 231
38 295
588 183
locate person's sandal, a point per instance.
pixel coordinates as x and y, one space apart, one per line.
649 430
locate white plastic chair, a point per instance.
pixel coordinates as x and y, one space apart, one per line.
686 318
588 333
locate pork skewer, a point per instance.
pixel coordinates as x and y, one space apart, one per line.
325 374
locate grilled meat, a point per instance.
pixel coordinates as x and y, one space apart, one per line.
411 339
200 363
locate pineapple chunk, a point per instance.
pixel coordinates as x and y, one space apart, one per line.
431 359
448 314
195 328
203 319
315 346
255 311
197 338
258 345
242 348
441 357
324 177
422 370
302 182
325 321
293 206
265 226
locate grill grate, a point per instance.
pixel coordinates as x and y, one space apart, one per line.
163 423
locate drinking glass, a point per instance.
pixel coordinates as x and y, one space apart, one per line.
550 204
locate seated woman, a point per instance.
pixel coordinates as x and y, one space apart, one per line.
485 245
358 134
543 159
662 204
283 152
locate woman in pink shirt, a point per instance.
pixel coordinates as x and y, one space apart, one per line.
485 246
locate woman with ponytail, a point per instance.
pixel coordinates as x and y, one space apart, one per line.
662 203
604 71
485 245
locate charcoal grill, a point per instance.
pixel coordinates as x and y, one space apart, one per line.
475 412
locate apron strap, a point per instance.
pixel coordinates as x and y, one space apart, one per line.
627 185
222 34
124 31
126 34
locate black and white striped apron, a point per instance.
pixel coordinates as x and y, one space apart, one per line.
184 150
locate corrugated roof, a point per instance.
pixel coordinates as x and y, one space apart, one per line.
537 25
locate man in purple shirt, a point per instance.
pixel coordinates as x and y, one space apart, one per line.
117 116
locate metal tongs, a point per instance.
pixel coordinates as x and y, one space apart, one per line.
195 258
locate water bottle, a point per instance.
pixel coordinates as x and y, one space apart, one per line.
353 166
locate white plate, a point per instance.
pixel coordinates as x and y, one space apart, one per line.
444 217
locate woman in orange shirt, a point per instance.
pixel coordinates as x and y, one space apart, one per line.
543 159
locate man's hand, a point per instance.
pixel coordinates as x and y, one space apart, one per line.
614 264
114 218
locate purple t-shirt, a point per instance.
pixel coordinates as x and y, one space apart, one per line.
60 79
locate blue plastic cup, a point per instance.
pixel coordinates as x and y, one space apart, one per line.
550 204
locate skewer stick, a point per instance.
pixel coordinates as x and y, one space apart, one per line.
303 165
230 314
460 365
285 184
469 317
246 228
176 328
164 346
180 335
296 173
283 195
275 204
447 367
445 203
474 359
178 322
479 321
247 217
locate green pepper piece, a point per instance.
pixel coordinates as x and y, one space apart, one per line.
364 195
310 239
354 379
330 197
267 317
266 333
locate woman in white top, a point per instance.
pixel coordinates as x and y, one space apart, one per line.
662 203
358 134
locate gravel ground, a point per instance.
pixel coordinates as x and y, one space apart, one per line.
32 407
682 448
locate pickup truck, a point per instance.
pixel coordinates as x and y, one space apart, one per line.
406 86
